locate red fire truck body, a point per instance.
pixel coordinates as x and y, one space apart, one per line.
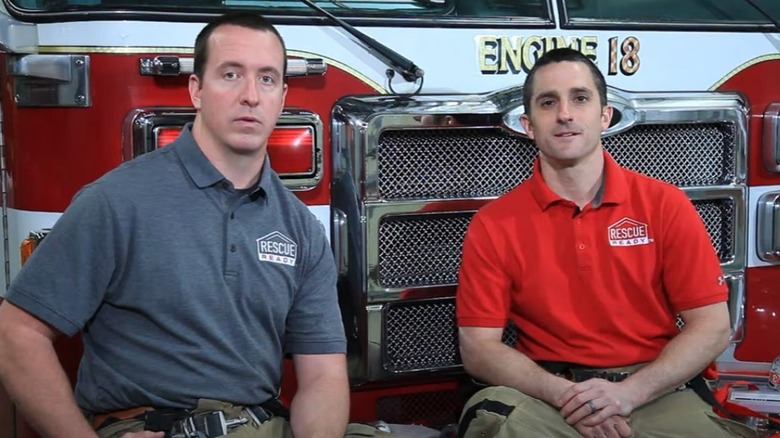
394 168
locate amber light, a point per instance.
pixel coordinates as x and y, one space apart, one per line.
27 247
291 148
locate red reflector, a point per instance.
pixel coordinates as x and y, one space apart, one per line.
165 136
291 150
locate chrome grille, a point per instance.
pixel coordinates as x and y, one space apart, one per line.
423 335
473 162
421 250
718 217
684 155
425 249
451 163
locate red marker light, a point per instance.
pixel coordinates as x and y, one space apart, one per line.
165 135
290 148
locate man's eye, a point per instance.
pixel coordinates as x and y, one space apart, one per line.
267 79
582 98
546 103
230 75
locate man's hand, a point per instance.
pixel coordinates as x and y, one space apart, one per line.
593 401
144 434
612 427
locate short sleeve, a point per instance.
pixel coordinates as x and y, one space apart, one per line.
314 324
692 276
484 284
64 281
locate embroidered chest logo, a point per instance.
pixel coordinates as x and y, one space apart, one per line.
277 248
628 232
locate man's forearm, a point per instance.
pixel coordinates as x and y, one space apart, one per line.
32 375
683 357
320 410
498 364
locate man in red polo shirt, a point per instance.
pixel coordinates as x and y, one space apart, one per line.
593 263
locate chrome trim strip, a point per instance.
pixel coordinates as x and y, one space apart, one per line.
140 128
736 303
768 227
771 141
340 240
165 65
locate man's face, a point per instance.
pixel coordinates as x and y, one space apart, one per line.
566 118
241 94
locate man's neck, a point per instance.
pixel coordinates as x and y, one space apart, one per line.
578 182
241 170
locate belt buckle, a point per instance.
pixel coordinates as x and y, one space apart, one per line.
258 414
212 424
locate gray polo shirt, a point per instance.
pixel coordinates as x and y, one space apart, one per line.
182 286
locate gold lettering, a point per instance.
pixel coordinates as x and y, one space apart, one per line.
588 46
511 56
488 54
553 42
532 50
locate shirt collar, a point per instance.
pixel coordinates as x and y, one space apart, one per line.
202 171
613 188
198 167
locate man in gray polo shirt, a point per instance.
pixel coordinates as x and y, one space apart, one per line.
189 272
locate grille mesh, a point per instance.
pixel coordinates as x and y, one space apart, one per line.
425 250
718 217
422 335
421 250
483 162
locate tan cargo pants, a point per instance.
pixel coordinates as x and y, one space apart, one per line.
276 427
675 415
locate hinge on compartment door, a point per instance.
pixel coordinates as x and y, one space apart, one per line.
51 80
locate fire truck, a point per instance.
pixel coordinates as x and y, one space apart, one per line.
401 121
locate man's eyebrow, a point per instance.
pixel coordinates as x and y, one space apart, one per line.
546 95
270 69
581 90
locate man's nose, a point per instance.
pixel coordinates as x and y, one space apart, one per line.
249 93
563 112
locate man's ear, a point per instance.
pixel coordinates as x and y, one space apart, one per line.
195 89
606 117
284 97
526 122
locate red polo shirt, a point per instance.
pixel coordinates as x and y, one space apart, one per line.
600 287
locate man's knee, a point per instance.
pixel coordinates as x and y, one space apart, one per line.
684 413
498 411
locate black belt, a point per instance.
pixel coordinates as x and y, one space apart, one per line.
186 423
578 373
